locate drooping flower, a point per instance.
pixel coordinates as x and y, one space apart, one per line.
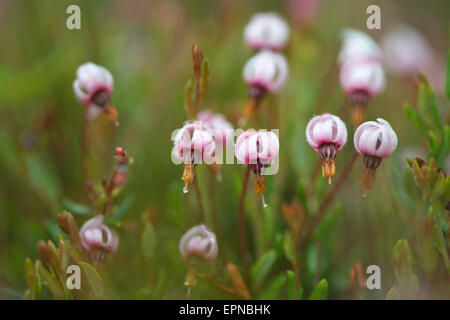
258 149
267 71
218 124
408 53
361 79
266 31
200 242
98 239
93 86
221 130
327 134
375 140
193 144
356 45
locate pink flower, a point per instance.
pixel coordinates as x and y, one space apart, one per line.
217 123
376 139
325 129
362 79
257 147
407 52
91 79
93 87
356 45
97 238
193 143
266 71
266 31
326 134
199 241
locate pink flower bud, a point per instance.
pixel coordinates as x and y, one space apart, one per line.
199 241
257 147
96 237
356 45
376 139
91 80
217 123
327 134
119 151
193 143
325 129
267 71
266 31
362 79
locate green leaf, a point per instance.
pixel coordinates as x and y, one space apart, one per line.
94 280
124 206
403 260
291 284
51 282
289 247
393 294
274 288
444 148
260 269
148 240
320 292
112 222
77 208
414 118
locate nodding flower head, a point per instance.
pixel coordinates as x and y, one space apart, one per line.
257 149
199 241
192 145
356 45
266 31
92 80
93 86
376 140
265 71
362 79
326 134
407 52
97 238
221 129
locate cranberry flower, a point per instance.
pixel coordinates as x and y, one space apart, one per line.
258 149
93 86
361 79
199 241
192 145
265 72
266 31
98 239
222 131
327 134
357 44
375 140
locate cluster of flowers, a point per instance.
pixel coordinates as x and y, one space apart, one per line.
361 76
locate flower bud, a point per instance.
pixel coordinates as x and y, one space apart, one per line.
199 241
266 31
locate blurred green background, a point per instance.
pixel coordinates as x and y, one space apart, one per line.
146 46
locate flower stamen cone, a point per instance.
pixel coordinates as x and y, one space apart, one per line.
188 176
